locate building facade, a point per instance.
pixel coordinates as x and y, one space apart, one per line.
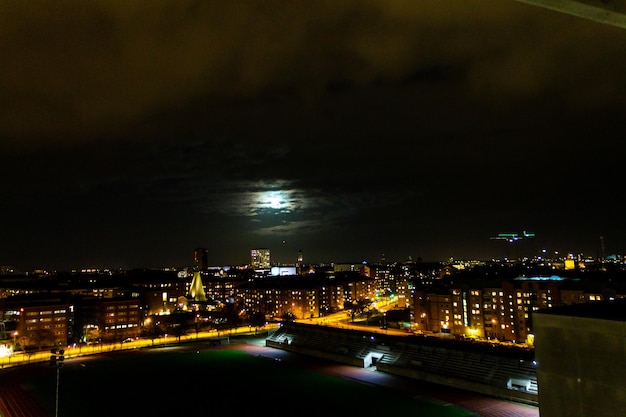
260 258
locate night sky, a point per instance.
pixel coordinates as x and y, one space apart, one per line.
132 133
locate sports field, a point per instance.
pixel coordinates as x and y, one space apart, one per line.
180 381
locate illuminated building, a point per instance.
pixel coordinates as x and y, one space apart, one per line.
201 258
300 262
260 258
196 299
161 294
119 318
274 297
196 290
38 319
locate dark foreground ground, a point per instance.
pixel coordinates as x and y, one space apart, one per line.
236 379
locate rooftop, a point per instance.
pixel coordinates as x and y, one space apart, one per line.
607 310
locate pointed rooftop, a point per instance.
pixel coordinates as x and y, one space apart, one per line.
196 291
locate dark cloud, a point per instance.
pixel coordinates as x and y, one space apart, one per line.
73 71
393 126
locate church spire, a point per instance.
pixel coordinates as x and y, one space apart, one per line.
196 290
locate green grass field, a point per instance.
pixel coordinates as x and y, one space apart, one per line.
176 382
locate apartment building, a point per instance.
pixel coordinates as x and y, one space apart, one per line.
443 303
38 321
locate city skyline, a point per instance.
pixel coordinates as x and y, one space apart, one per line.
262 259
131 135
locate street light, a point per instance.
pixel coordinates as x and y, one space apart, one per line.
57 356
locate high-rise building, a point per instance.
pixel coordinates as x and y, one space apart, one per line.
300 262
260 258
201 257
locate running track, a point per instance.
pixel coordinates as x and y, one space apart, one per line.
15 400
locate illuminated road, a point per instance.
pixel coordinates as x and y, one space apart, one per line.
94 349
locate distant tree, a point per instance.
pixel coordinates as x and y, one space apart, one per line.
394 317
93 334
234 315
288 316
180 324
362 305
30 351
349 307
41 338
197 322
152 330
178 330
221 324
256 319
356 307
20 342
